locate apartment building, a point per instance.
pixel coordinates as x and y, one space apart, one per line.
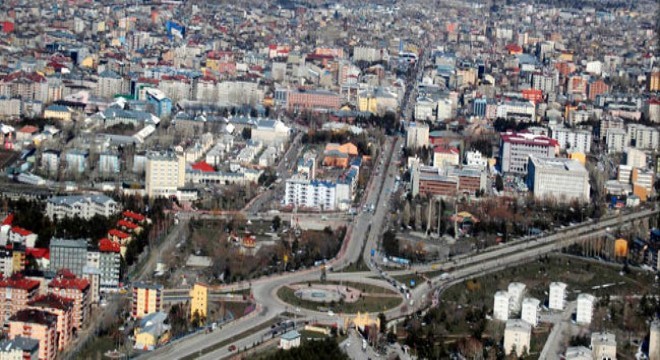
68 286
147 299
515 149
616 140
530 311
559 178
15 294
19 348
312 99
165 173
68 254
573 139
643 137
517 337
585 308
312 194
108 262
603 346
63 309
82 206
38 325
417 135
557 298
199 296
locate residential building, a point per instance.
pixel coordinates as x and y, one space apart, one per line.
162 105
151 331
643 137
616 140
635 158
517 337
312 99
19 348
63 309
68 254
199 296
82 206
165 173
15 294
530 311
560 178
501 306
109 264
147 299
38 325
22 237
290 340
271 132
58 112
312 194
515 149
578 353
654 340
76 161
573 139
476 159
557 298
50 161
109 163
603 346
67 285
445 156
417 135
516 293
519 110
585 308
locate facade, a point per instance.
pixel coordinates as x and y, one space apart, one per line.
476 159
417 135
147 299
19 348
15 294
516 293
585 308
445 156
519 110
573 139
616 140
312 99
517 337
68 254
313 194
271 132
603 346
109 163
557 299
515 149
530 307
501 306
290 340
199 296
165 173
68 286
654 340
560 178
38 325
643 137
109 265
83 206
63 309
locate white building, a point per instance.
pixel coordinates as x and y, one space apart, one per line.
516 292
573 139
517 337
271 132
519 110
83 206
515 149
290 340
530 308
559 178
476 159
643 137
313 194
623 173
362 53
635 158
165 173
417 135
585 308
654 340
616 140
557 299
501 306
603 346
578 353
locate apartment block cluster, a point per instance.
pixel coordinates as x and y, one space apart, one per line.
337 191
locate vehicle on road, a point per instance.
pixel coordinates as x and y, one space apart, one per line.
231 348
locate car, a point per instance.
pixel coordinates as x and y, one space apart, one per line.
231 348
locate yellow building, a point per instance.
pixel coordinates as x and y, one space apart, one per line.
367 103
199 296
152 331
58 112
654 81
578 156
165 173
147 299
18 260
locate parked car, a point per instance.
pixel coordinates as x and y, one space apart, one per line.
232 348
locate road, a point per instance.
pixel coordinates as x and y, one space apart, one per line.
551 349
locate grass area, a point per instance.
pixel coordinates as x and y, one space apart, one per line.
359 265
365 288
406 279
96 348
231 339
368 303
306 334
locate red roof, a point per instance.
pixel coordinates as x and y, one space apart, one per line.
17 281
29 129
38 253
8 220
107 245
67 282
528 139
514 48
203 167
126 224
20 231
118 233
446 150
133 215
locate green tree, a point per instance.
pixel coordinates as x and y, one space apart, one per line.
276 223
390 243
383 323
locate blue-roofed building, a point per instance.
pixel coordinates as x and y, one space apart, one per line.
162 104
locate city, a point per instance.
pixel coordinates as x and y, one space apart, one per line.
305 179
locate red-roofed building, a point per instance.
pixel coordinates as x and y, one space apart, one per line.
652 110
534 95
40 255
67 285
514 49
60 307
8 220
109 263
515 149
203 167
26 132
107 245
129 226
18 235
119 237
15 293
133 216
38 325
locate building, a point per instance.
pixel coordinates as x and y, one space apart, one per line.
517 337
530 308
312 99
578 353
557 298
516 293
147 299
76 161
162 105
519 110
58 112
199 296
68 254
635 158
643 178
654 340
107 260
311 194
19 348
616 140
476 159
515 149
271 133
573 139
83 206
290 340
643 137
15 294
152 331
109 163
585 308
68 286
63 309
165 173
560 178
603 346
445 156
38 325
417 135
501 306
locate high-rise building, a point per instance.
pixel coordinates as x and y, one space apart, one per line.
38 325
68 286
199 296
603 346
68 254
517 337
147 299
417 135
573 139
557 298
585 308
530 307
165 173
63 309
560 178
515 149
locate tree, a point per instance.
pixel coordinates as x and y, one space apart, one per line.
499 183
383 323
277 222
246 133
390 243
